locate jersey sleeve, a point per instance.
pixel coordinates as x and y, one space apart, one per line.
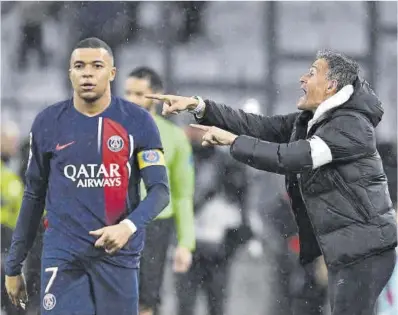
182 183
152 168
33 200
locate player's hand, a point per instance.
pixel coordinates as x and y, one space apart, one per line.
215 136
112 238
16 290
182 260
173 104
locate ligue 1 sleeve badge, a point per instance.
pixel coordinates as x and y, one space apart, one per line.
115 143
151 156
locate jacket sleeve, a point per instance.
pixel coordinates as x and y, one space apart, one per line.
273 128
350 139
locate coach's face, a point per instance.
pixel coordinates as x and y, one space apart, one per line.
91 71
135 90
316 87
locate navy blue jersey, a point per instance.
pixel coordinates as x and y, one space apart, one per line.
88 171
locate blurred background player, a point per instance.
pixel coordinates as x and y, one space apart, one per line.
179 213
11 198
87 158
221 219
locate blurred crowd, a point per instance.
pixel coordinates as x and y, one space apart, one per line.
232 218
116 22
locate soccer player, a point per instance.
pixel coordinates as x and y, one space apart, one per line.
178 156
88 156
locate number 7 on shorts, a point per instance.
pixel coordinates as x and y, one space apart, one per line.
54 271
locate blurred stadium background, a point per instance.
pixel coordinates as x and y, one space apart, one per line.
227 51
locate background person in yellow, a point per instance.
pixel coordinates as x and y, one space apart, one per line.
11 184
11 198
179 162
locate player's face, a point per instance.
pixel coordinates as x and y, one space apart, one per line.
135 90
317 88
91 71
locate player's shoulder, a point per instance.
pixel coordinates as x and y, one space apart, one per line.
54 110
50 114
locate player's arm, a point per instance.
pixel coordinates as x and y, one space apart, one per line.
333 143
276 128
182 185
153 172
32 203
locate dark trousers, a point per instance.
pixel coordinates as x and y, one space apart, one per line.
308 296
205 274
153 261
32 273
354 290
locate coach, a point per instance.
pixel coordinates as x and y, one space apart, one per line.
334 174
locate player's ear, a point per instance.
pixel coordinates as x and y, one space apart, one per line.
113 74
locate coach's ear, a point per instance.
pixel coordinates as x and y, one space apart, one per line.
332 86
113 74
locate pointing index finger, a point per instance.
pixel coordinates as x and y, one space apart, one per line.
201 127
159 97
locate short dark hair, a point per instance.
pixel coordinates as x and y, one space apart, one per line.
341 68
149 74
94 42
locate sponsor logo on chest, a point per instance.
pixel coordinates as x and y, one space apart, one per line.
94 175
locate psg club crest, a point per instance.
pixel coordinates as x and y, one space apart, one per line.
151 157
115 143
49 301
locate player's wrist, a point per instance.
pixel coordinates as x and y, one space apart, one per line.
131 226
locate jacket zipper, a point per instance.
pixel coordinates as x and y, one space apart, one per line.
306 209
348 195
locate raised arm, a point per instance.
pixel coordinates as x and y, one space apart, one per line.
274 128
330 144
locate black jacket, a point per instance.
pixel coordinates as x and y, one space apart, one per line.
334 174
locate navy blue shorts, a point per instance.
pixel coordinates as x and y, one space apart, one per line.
95 287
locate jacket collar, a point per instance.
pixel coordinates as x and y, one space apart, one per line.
334 101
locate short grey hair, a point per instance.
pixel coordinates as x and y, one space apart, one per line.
341 68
